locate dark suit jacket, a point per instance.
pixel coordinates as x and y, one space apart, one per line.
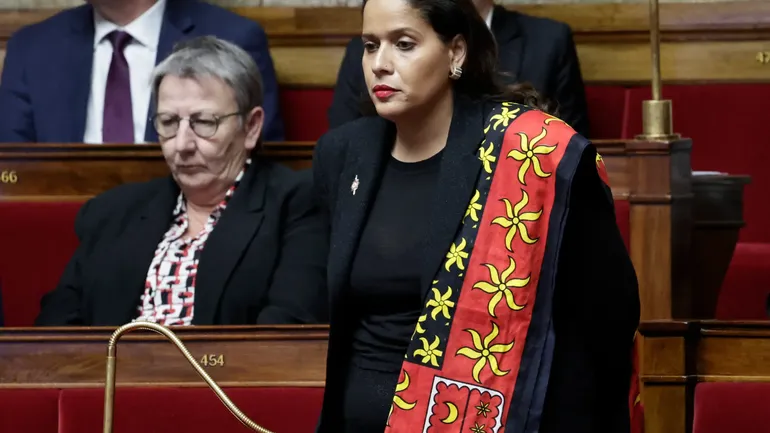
46 78
596 305
531 49
264 263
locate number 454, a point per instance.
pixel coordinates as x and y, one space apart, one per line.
213 360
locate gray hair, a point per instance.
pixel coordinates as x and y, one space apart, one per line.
208 56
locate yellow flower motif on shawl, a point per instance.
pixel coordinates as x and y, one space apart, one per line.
483 409
478 428
486 157
429 352
440 303
456 255
504 117
528 156
599 160
484 352
514 220
473 207
500 285
397 400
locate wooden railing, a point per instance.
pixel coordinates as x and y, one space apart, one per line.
240 356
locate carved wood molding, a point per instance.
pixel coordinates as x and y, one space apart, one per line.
716 20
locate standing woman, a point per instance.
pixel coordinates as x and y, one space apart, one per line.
478 278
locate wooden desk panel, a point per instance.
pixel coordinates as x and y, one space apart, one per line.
60 172
241 356
678 355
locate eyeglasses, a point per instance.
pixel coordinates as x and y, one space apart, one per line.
203 125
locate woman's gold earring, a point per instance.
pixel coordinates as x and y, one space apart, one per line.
456 73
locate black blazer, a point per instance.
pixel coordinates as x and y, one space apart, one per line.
264 263
594 333
530 49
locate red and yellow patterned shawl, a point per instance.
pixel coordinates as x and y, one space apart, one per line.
481 347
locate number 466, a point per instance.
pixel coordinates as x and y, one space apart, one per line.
8 176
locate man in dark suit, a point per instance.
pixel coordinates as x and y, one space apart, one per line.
83 74
531 49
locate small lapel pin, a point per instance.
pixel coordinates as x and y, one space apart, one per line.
354 185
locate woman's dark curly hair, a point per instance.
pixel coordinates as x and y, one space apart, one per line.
481 78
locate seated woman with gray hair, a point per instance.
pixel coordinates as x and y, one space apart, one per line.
227 238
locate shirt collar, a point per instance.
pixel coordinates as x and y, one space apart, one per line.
488 19
145 29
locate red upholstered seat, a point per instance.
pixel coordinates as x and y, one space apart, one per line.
29 410
37 241
191 410
729 407
304 113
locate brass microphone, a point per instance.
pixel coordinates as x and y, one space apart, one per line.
657 117
109 385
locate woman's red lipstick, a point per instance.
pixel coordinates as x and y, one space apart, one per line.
382 91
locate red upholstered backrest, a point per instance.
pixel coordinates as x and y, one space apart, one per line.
37 240
304 113
746 287
606 110
730 407
29 410
727 123
191 410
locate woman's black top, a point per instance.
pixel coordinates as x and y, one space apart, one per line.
385 295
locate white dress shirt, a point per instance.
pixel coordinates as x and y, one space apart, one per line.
140 54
